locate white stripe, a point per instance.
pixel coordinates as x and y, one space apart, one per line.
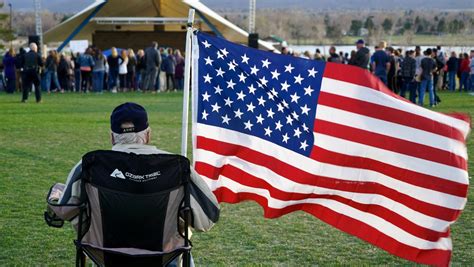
376 222
328 170
287 185
403 161
370 95
390 129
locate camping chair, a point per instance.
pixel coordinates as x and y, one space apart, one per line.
135 209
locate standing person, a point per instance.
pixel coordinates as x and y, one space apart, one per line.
392 70
113 61
123 62
465 69
32 62
10 70
152 65
131 70
65 71
179 70
51 75
472 70
20 72
381 62
140 69
452 70
87 63
77 72
170 68
428 66
408 70
333 56
99 71
361 57
162 85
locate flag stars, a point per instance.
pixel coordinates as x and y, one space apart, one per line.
238 113
260 119
298 79
305 128
261 101
216 107
228 102
232 65
295 115
220 55
208 60
275 74
285 86
252 89
305 110
204 115
225 119
304 145
245 59
207 78
206 44
248 125
308 90
242 77
312 73
265 63
285 138
294 98
241 96
270 113
263 81
268 131
218 90
278 126
289 68
254 70
289 120
270 96
220 72
224 52
230 84
297 132
280 107
205 96
250 107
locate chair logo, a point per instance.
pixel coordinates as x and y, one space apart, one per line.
117 174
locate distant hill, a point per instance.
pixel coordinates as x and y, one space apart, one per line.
69 6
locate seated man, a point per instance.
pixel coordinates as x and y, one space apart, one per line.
131 134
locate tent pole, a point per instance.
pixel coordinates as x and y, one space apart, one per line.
187 79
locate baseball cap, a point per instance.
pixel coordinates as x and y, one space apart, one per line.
132 114
360 41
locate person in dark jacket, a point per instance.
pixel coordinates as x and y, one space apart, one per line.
32 62
361 57
140 69
51 75
65 72
113 61
179 70
333 56
408 70
152 65
10 73
452 70
464 68
170 68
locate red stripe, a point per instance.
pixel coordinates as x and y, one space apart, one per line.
302 177
389 114
390 143
347 224
404 175
247 179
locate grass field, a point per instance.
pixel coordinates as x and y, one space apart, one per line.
39 144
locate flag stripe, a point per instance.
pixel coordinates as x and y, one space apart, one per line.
365 185
400 161
389 143
384 226
296 166
408 220
392 129
346 224
367 94
389 114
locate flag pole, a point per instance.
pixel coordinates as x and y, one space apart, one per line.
187 79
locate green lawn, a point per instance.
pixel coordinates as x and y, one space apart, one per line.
39 143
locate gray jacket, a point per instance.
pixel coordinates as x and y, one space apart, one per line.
152 58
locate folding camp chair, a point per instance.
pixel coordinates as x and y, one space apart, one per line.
135 209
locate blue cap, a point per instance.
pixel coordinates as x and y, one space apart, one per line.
128 113
360 41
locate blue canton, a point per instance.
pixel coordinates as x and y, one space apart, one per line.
267 95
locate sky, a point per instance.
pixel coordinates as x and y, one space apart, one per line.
76 5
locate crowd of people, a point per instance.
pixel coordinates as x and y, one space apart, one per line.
412 72
153 70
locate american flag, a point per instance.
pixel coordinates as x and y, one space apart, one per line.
329 139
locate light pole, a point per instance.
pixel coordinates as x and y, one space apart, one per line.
11 22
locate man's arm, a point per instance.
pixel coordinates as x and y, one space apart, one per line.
203 203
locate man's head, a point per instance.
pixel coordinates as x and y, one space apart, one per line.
332 50
154 44
129 124
34 47
359 44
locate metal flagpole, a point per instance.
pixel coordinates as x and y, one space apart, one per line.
187 79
